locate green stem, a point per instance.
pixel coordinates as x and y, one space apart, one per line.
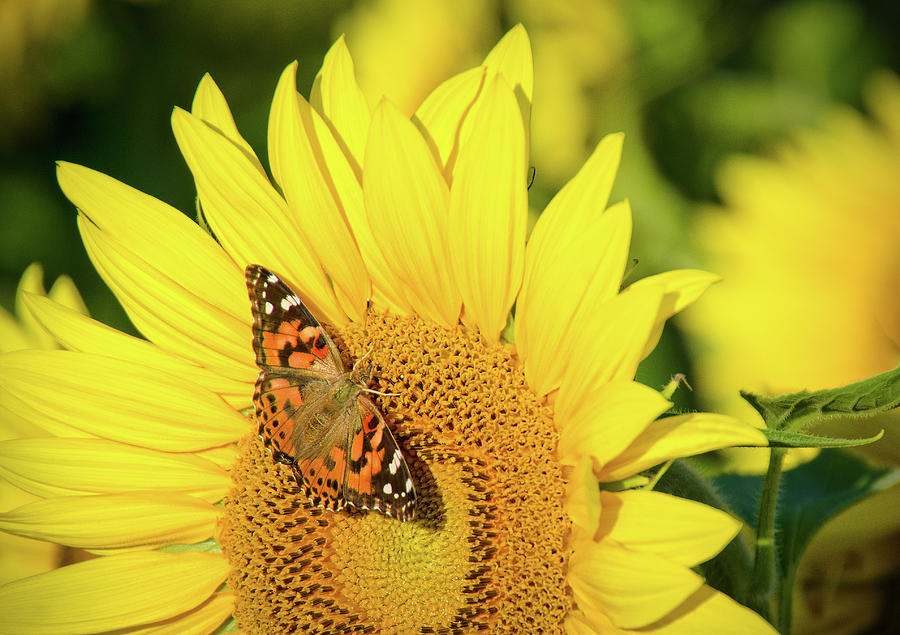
785 603
764 568
659 474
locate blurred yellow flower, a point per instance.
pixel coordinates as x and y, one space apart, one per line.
578 46
403 50
808 244
150 462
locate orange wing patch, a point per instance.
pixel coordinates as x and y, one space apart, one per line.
323 478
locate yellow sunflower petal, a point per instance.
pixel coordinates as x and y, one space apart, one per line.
511 57
681 287
209 105
584 197
146 520
633 589
693 533
22 330
116 592
16 426
488 209
608 420
582 498
407 200
80 333
188 266
62 467
580 271
22 557
709 611
66 294
158 233
603 347
115 400
337 95
206 618
346 177
223 456
577 623
12 336
247 216
442 112
294 150
167 313
32 281
683 435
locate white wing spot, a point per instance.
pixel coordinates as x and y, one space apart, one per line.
272 278
269 308
409 485
387 488
394 464
286 303
397 495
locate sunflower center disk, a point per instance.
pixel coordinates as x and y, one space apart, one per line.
488 545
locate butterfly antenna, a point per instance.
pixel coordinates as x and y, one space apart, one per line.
369 390
383 394
363 358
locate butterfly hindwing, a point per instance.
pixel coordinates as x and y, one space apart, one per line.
378 477
312 413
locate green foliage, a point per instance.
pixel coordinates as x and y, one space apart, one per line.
786 439
788 517
810 495
799 410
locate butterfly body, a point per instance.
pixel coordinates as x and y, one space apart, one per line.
316 415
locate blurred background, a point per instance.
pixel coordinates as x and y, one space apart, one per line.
762 143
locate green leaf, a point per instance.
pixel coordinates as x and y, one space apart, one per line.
786 439
819 490
863 398
809 496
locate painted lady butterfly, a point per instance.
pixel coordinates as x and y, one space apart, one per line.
314 415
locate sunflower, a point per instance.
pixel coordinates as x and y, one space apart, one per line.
406 237
808 241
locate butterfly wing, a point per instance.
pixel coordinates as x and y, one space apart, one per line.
285 334
343 452
377 476
297 361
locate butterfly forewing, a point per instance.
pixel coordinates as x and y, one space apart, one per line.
285 334
312 416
